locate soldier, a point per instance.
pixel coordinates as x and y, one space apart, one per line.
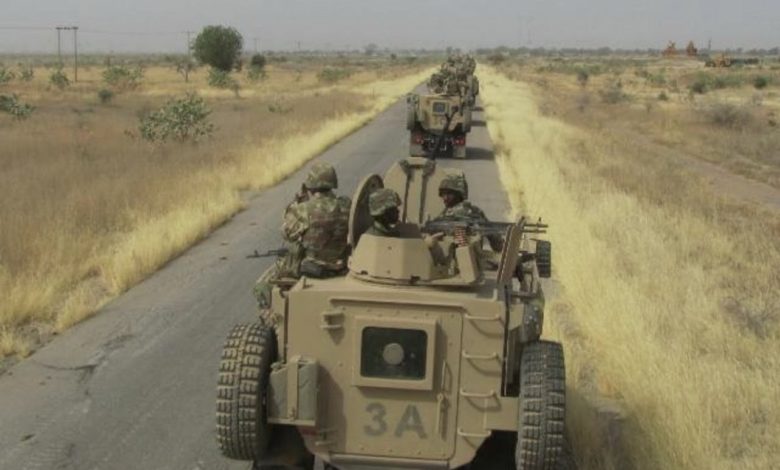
383 206
315 232
454 192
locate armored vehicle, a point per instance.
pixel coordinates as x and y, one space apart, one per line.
407 361
437 125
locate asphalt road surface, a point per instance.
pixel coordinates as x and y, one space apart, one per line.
134 387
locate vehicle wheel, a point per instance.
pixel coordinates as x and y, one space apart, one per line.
541 407
411 117
544 258
242 427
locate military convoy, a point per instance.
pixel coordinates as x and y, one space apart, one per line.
404 361
439 121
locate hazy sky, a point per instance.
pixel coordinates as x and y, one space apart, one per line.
340 24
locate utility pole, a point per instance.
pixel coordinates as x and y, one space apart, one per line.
189 43
75 53
59 45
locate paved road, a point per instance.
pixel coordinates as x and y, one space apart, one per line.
134 387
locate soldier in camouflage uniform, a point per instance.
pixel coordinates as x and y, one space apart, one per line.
454 192
315 232
383 206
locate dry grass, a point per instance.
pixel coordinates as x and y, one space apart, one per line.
87 211
669 299
732 124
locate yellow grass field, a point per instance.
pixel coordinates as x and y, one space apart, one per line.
88 211
669 294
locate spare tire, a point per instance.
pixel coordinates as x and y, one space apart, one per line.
542 405
544 258
243 431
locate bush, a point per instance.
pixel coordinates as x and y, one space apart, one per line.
332 74
180 119
59 79
699 86
760 82
185 67
496 59
105 95
26 73
223 80
10 104
123 78
663 96
613 94
258 61
219 46
6 75
582 77
729 115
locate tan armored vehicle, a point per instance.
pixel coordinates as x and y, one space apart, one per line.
405 362
437 125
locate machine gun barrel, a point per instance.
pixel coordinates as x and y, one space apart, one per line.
279 252
480 227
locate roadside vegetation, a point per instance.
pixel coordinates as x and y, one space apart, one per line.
669 299
105 179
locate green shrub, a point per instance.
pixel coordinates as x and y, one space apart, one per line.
123 78
333 74
59 79
496 59
760 82
219 46
6 75
181 119
10 104
258 61
26 73
105 95
663 96
699 86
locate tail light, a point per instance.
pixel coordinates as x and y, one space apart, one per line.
417 138
460 141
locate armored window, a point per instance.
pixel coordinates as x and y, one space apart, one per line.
439 107
393 353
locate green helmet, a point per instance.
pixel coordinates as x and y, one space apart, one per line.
321 176
455 182
382 200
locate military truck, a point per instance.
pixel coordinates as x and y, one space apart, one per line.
404 362
437 125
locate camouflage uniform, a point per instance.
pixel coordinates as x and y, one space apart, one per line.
380 201
464 210
315 232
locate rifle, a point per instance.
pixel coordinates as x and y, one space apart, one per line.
481 227
279 252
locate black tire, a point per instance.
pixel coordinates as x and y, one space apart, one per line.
411 117
243 431
542 404
544 258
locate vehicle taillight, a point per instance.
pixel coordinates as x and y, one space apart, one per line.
460 141
417 138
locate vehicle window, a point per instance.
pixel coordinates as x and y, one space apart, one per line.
393 353
439 107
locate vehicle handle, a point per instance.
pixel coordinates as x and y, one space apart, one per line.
479 357
466 394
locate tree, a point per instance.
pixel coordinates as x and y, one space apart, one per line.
371 49
219 46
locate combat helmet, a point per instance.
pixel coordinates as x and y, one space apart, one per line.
382 200
321 176
455 182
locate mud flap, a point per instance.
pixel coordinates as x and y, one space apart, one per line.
292 392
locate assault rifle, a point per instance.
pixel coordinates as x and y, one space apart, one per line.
279 252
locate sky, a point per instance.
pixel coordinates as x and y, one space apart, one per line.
160 25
